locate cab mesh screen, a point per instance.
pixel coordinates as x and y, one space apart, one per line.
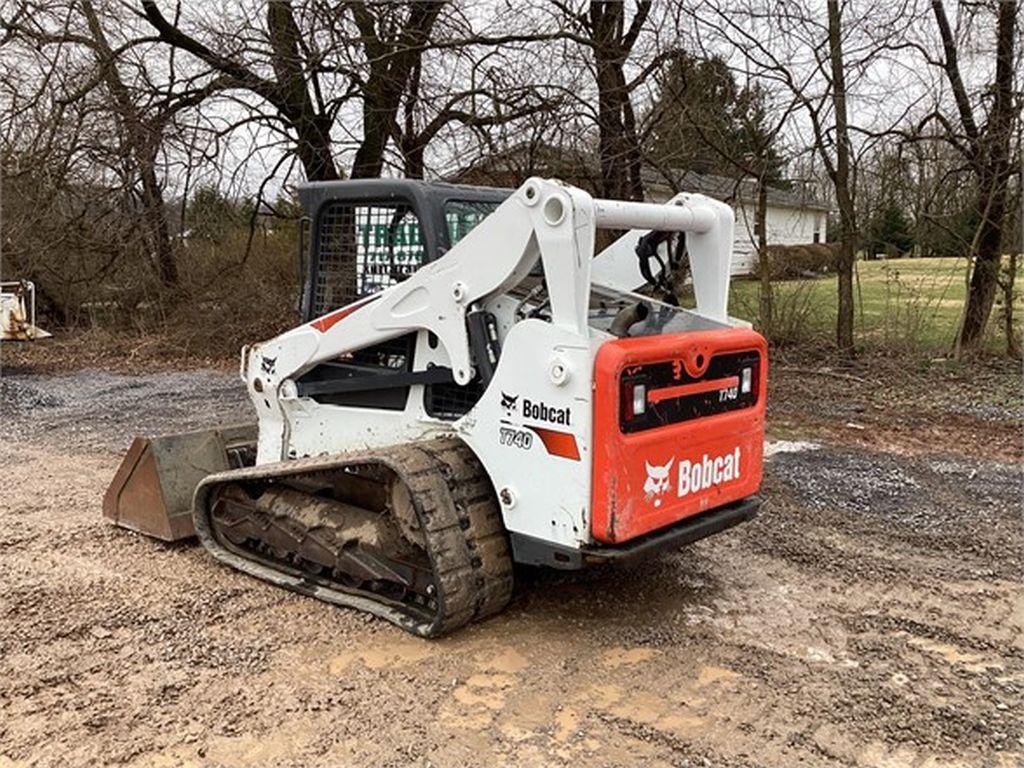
363 248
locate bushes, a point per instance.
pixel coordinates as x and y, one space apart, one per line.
903 306
787 262
228 294
229 299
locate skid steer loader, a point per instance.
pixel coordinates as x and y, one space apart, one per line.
471 388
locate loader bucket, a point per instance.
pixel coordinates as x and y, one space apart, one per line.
152 490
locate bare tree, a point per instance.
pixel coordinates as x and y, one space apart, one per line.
421 76
618 146
795 50
288 92
600 28
143 135
839 172
393 42
327 57
986 147
142 110
479 107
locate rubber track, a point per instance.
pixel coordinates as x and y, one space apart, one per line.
457 510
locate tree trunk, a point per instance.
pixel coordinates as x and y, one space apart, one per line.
985 274
394 67
766 308
156 215
611 149
1012 342
379 110
618 146
312 130
634 157
313 147
143 143
414 165
841 180
992 163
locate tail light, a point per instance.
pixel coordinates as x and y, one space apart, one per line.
658 394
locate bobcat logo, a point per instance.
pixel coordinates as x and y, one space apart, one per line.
267 364
657 480
508 402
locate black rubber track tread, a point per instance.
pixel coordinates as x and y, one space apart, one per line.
458 512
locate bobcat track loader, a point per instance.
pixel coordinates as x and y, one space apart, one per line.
473 388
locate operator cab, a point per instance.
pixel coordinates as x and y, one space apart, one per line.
369 234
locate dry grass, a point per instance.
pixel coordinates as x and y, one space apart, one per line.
906 306
902 305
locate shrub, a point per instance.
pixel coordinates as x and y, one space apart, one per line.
787 262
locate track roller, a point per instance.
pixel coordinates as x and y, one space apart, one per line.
411 533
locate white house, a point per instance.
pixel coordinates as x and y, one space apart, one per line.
794 216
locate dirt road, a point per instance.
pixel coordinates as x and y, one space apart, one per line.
871 616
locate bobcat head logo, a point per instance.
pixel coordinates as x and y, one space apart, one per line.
508 402
267 364
657 480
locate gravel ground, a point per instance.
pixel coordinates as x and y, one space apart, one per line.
97 410
871 616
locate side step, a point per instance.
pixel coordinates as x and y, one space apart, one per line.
151 493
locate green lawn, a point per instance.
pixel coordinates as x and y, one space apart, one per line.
900 304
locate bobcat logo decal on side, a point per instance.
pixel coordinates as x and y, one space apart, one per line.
508 402
657 480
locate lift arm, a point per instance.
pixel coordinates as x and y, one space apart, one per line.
543 220
708 224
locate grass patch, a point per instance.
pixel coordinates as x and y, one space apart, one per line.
901 304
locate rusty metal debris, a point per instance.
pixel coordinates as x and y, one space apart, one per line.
18 312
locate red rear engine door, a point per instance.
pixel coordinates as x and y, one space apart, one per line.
678 428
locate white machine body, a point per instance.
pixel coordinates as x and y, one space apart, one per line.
533 425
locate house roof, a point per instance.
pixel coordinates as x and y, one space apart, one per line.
512 166
671 180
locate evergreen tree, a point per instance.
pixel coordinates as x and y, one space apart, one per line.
210 215
890 231
703 121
